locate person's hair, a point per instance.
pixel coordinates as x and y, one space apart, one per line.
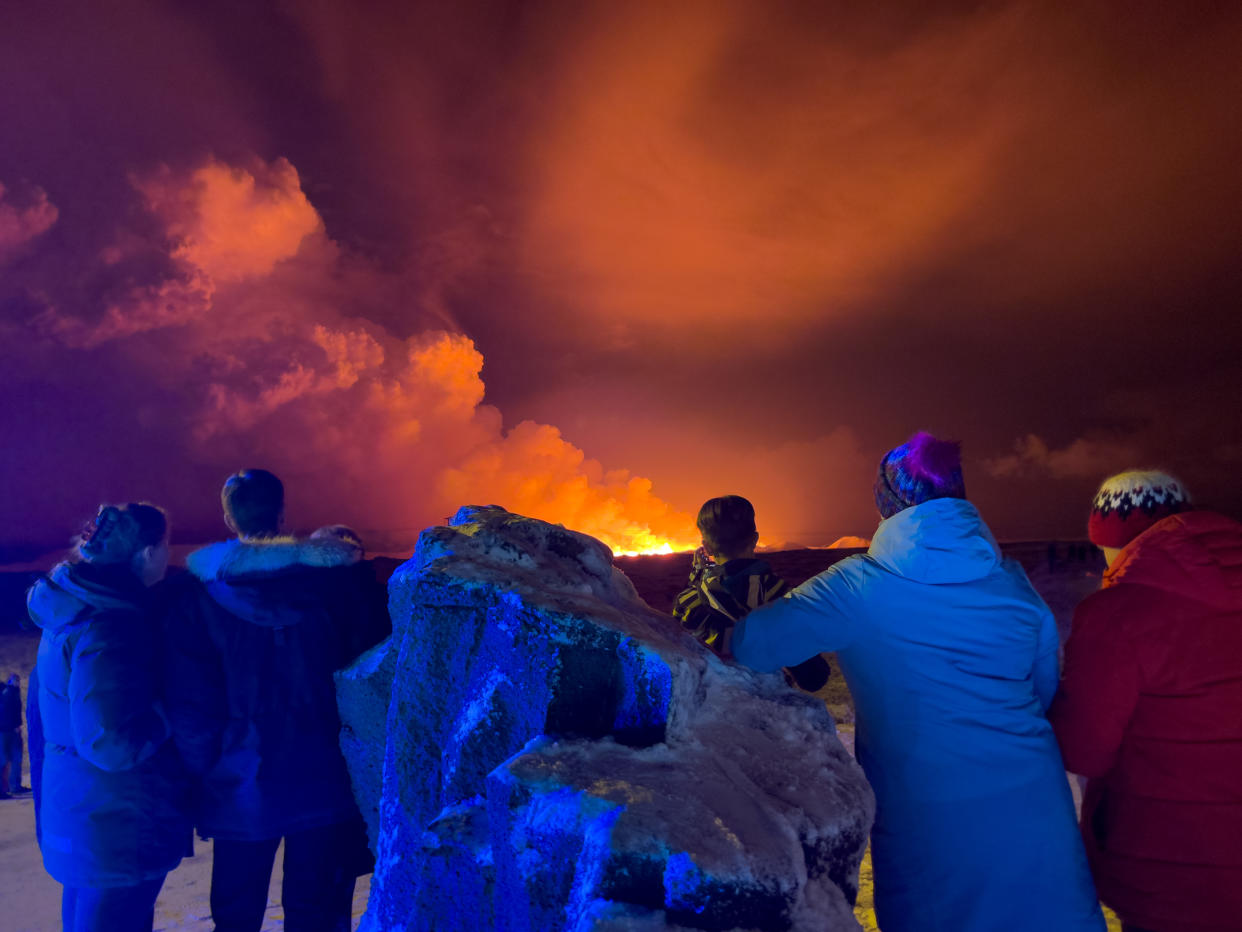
727 524
253 501
118 532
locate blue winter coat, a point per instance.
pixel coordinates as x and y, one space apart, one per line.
113 806
951 658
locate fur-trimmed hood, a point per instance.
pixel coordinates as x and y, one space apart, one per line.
231 558
272 582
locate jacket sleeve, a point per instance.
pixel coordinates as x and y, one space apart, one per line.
1046 671
699 619
1099 690
114 715
815 617
194 690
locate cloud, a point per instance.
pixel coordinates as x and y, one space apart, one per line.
232 223
251 336
1083 458
20 224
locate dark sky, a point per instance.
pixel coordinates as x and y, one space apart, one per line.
599 261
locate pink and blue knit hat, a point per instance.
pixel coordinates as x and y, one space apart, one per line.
919 470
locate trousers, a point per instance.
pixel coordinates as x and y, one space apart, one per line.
317 893
110 909
11 754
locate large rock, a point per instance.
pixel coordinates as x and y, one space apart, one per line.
537 749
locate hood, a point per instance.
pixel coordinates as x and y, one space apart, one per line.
1195 554
72 590
265 581
940 541
229 559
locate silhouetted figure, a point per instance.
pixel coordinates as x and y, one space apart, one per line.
112 805
727 580
11 738
951 659
262 623
1150 708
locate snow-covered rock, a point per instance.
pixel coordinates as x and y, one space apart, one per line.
556 755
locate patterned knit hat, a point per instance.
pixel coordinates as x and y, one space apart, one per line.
1131 502
919 470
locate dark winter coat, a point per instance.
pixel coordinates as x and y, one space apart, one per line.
254 637
113 808
10 707
1150 708
722 594
34 742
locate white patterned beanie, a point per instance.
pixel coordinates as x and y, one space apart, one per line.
1129 503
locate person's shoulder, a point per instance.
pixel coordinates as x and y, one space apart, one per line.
848 572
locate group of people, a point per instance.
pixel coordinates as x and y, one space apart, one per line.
202 701
206 701
966 725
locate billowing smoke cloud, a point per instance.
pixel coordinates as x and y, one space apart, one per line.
252 330
21 223
730 246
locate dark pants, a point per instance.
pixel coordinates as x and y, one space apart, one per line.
318 889
11 754
1126 928
116 909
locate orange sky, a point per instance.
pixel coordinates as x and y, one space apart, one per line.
600 261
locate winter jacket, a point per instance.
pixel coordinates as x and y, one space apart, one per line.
113 795
951 659
34 742
254 637
1150 709
10 707
721 594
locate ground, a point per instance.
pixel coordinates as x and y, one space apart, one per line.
32 899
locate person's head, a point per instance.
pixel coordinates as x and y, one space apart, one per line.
13 679
1129 503
133 535
254 503
919 470
727 524
343 533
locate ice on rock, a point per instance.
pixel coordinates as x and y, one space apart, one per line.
537 749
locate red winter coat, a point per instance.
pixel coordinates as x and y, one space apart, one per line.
1150 708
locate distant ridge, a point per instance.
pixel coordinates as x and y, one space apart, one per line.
850 541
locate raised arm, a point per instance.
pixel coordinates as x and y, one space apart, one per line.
194 694
817 616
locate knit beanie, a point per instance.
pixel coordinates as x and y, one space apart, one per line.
919 470
1129 503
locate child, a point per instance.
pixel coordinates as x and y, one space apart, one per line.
727 581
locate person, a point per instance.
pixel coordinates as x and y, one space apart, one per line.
113 803
34 743
951 659
255 634
727 580
11 738
1150 708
